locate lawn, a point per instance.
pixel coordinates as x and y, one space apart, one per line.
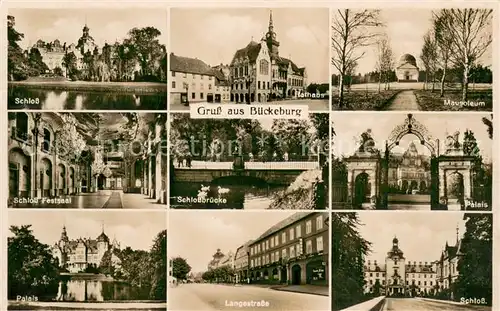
364 99
431 101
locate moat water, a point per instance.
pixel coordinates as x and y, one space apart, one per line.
23 97
88 290
228 196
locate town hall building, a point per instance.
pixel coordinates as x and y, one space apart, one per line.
259 74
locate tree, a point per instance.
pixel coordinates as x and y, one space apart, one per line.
180 268
147 48
470 146
69 62
58 71
443 45
385 62
292 135
489 125
377 288
429 57
16 62
474 265
32 270
351 30
158 259
470 34
349 249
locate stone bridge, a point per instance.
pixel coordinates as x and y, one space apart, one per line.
274 173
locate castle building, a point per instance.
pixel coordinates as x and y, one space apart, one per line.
410 171
259 73
53 52
399 277
82 253
407 69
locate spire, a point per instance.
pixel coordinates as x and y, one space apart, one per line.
102 226
271 20
457 234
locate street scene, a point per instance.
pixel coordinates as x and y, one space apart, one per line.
412 162
251 55
412 59
277 262
443 262
87 261
87 160
79 59
249 164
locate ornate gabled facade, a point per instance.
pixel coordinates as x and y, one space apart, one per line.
82 253
259 73
398 277
410 171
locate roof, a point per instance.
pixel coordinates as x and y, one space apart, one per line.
283 63
102 238
408 58
189 65
282 224
251 51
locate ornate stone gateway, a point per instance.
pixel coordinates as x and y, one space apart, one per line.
411 126
446 182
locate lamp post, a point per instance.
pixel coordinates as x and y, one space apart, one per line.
35 131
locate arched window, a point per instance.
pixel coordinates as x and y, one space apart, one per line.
46 140
264 67
22 125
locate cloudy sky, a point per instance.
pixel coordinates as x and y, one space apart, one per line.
421 238
405 29
214 35
196 235
105 25
134 229
348 129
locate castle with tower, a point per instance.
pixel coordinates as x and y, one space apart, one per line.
82 253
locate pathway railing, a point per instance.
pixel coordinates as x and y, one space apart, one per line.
296 165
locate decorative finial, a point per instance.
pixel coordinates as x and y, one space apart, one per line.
270 19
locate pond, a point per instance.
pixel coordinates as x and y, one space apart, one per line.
23 97
225 196
88 290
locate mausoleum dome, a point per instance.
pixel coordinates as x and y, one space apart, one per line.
408 58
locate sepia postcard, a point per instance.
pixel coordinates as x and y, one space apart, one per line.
412 59
255 260
304 155
87 160
249 56
87 59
